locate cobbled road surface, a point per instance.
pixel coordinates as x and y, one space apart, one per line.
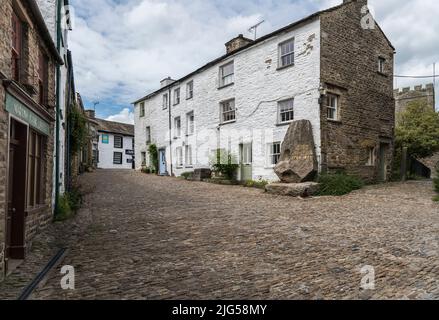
152 237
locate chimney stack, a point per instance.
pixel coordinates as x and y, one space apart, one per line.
90 114
237 43
166 82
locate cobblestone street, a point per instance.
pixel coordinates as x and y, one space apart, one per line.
150 237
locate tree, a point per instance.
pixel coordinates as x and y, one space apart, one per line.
418 130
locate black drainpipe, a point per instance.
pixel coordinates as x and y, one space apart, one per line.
170 131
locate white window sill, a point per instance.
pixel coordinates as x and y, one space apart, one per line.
227 122
279 124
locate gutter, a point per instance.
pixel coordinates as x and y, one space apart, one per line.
45 32
58 102
170 130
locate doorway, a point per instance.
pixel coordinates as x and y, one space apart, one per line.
162 162
246 161
15 221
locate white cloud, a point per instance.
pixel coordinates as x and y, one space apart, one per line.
122 49
125 116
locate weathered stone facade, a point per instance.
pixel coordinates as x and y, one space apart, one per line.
26 91
424 94
349 69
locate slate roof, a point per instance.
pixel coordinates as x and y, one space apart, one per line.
114 127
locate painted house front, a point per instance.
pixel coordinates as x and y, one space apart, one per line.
115 147
244 101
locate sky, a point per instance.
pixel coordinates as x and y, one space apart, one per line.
122 49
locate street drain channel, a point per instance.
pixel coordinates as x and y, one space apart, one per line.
37 280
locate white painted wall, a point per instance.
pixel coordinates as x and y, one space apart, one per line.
257 89
106 152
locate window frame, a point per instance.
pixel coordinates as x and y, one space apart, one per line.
114 157
222 77
189 90
222 112
43 66
290 53
279 113
381 65
121 142
372 157
190 163
190 124
35 181
271 153
179 157
142 109
329 107
177 129
165 101
16 46
177 96
148 135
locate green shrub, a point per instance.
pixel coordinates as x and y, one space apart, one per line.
146 170
224 163
436 198
255 184
338 184
187 175
64 211
154 156
68 205
436 180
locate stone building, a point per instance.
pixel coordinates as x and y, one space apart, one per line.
112 144
56 15
424 94
28 58
419 93
333 68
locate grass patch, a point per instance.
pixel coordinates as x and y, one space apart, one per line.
338 184
187 175
68 205
436 198
255 184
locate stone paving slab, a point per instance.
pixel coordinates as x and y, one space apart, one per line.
164 238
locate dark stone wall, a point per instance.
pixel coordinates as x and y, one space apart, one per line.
28 80
349 68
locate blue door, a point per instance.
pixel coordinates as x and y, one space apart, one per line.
162 162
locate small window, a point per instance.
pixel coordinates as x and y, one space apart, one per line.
179 156
17 36
142 109
228 111
190 90
177 96
332 107
165 101
371 154
286 53
43 78
190 123
274 150
118 142
105 139
188 155
177 127
381 64
286 111
143 155
117 158
227 72
148 135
